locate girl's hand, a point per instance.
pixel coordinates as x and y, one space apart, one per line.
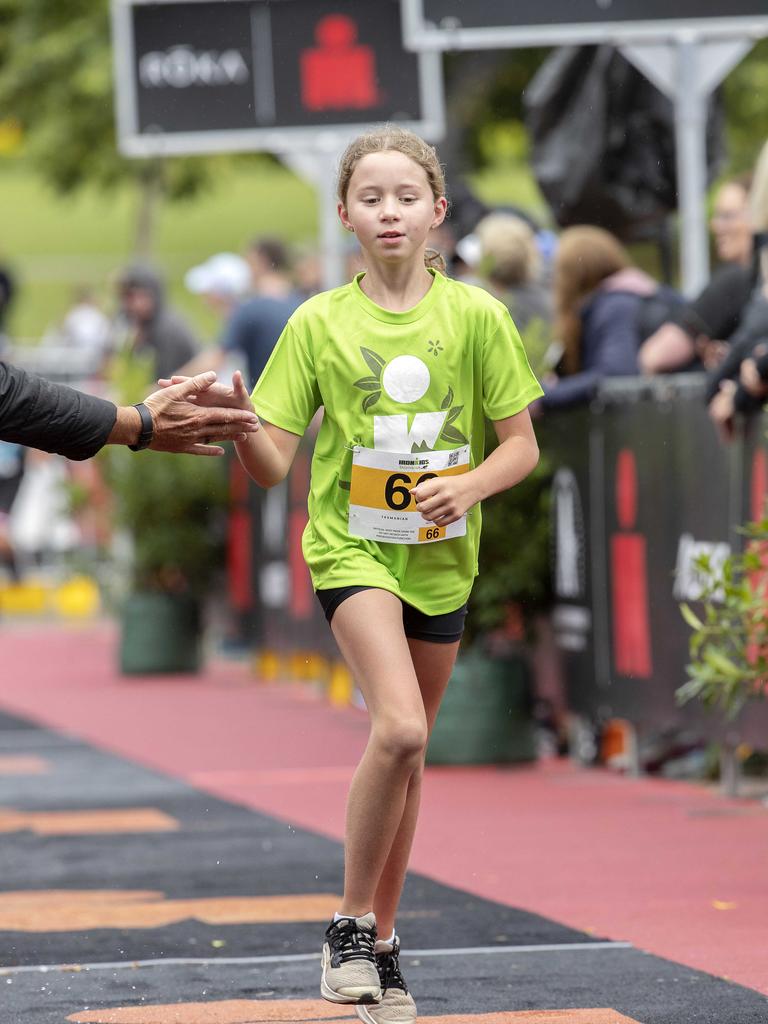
443 500
218 394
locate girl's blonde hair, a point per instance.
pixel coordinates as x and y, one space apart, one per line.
508 253
586 256
391 137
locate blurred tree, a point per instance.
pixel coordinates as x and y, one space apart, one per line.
56 79
746 110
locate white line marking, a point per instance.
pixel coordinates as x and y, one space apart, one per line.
245 961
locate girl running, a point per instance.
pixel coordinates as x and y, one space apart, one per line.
407 364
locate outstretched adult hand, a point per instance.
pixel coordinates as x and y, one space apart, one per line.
190 412
234 396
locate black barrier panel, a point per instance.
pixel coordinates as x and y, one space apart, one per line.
529 13
664 490
292 618
658 453
245 64
571 554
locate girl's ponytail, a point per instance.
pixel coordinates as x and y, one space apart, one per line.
434 260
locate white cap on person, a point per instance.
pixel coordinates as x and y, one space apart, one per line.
225 274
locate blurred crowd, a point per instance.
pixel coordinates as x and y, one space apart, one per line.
584 309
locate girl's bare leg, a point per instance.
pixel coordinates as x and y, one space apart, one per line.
369 631
433 664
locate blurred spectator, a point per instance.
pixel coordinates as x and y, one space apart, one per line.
605 307
740 384
737 384
257 323
222 281
87 328
154 327
308 272
698 334
510 262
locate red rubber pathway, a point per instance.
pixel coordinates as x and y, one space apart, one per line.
177 841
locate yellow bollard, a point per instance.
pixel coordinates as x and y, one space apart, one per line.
78 598
268 665
24 598
341 685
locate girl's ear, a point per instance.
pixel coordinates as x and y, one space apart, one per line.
343 217
441 208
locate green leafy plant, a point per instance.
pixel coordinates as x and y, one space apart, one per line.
729 642
171 506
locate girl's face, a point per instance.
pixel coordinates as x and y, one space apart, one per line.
390 207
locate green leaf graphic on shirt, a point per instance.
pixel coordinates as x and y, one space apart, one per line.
374 360
446 402
449 433
373 383
423 447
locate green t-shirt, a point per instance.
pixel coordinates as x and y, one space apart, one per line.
420 380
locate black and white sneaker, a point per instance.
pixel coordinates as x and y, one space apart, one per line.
397 1005
350 973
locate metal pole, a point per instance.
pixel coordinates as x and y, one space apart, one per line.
691 146
319 168
331 245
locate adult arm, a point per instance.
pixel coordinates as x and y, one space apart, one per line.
55 418
58 419
669 348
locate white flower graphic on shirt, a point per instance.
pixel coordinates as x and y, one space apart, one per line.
406 379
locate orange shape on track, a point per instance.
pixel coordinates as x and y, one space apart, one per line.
71 910
270 1011
69 823
26 764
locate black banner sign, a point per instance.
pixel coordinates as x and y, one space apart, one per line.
531 13
201 75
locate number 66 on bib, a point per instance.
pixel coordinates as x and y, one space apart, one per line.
381 506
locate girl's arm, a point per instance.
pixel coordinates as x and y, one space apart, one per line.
268 454
444 500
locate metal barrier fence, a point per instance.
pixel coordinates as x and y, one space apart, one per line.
642 487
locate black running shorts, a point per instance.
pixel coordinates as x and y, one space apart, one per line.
437 629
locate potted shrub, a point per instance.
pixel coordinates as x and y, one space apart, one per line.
172 509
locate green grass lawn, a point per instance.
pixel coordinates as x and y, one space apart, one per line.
55 244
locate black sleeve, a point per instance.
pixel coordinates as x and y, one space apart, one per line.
717 310
752 331
55 418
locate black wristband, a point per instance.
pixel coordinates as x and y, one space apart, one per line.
147 429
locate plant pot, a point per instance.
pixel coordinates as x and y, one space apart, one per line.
486 713
160 633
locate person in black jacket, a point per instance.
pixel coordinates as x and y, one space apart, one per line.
55 418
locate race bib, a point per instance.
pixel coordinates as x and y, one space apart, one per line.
381 506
